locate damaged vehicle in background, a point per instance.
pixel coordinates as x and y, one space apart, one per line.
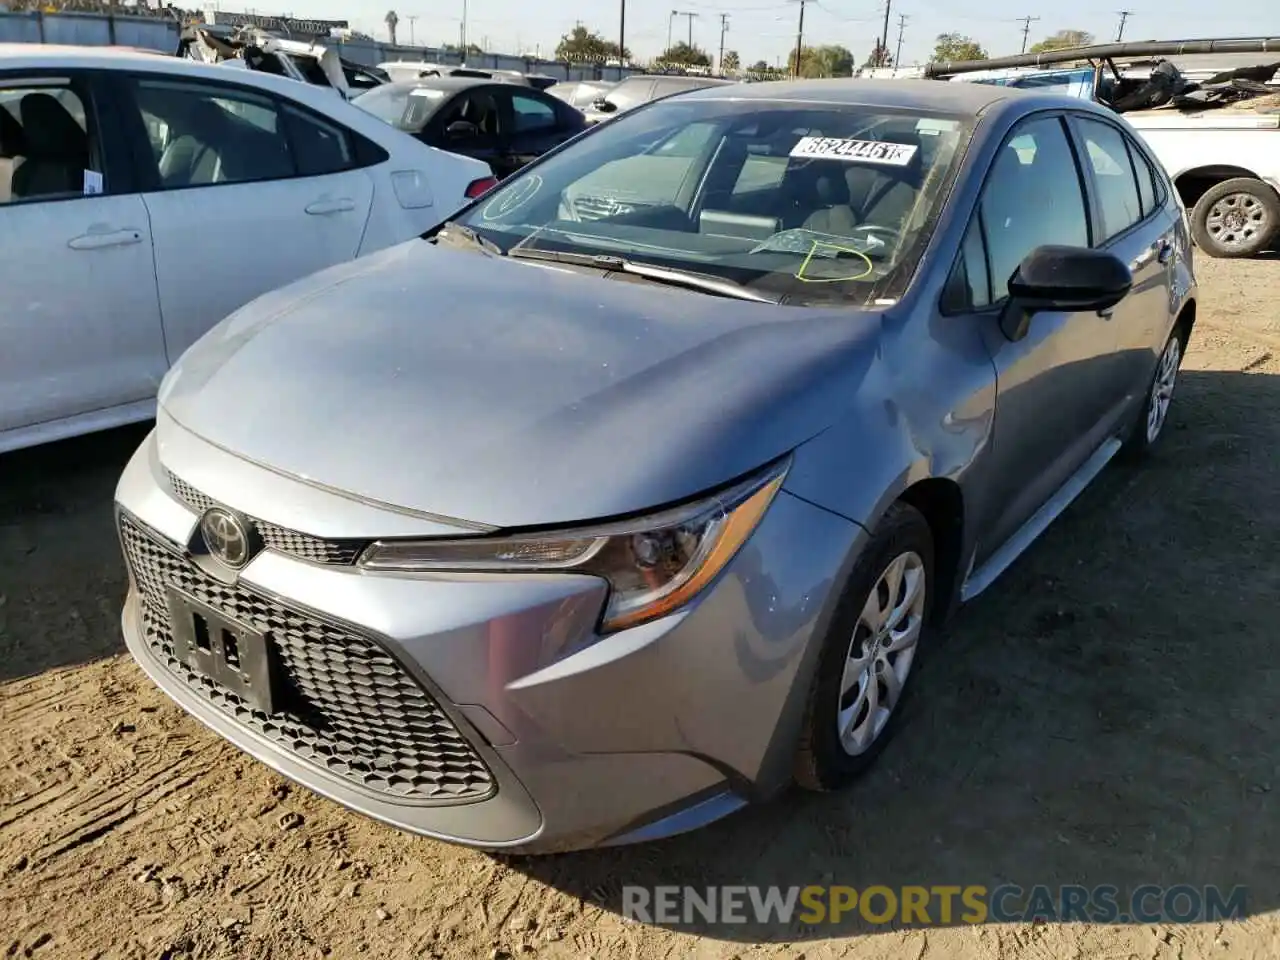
1216 129
252 48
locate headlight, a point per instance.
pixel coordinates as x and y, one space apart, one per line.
653 564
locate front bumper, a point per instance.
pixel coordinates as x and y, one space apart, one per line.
549 737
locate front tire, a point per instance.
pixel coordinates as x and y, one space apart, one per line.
1237 218
868 653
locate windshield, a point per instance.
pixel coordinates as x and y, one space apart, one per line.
404 106
800 203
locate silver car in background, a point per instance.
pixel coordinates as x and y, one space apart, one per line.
667 522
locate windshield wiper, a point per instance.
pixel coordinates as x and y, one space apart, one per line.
469 237
666 275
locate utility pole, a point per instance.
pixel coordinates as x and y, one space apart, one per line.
689 17
1026 29
462 36
1124 15
622 34
670 20
795 70
884 36
724 28
902 26
412 19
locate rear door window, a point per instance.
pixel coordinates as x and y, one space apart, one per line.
1108 157
49 148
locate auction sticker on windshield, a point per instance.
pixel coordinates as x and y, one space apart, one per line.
855 151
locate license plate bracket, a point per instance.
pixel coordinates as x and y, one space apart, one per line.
230 653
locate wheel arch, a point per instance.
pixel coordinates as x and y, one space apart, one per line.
1195 182
941 501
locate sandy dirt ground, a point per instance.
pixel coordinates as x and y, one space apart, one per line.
1108 713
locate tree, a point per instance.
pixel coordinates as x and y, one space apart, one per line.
731 62
956 46
685 55
761 66
831 60
581 45
392 21
1063 39
472 48
879 57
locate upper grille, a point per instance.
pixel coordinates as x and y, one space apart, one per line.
300 545
345 704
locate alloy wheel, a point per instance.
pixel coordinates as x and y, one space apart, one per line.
881 652
1162 388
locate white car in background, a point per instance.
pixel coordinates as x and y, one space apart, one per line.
144 198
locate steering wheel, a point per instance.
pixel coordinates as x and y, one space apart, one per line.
886 236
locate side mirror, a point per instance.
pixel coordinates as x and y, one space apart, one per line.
603 105
461 130
1068 279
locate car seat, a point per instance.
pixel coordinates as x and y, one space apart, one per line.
57 150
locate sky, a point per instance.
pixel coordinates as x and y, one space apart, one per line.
766 29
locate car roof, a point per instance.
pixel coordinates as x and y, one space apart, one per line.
917 94
47 56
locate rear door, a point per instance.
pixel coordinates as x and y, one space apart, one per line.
535 123
1132 220
80 324
246 192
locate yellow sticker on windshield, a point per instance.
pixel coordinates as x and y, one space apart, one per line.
855 151
840 276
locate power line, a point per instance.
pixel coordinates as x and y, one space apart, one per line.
902 27
1124 15
724 28
1026 29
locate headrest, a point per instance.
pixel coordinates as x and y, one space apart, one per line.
50 129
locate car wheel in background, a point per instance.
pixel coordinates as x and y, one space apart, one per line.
1154 416
868 654
1237 218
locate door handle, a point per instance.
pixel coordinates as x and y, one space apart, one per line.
326 205
99 239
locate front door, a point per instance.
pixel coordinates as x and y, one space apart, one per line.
470 125
246 193
1059 391
80 331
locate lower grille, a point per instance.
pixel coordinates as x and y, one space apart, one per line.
275 537
347 707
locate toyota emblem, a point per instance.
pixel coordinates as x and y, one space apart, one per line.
226 536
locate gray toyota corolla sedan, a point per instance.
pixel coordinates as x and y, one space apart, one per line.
634 493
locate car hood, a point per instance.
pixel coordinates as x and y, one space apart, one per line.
512 394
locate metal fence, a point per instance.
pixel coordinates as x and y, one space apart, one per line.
158 33
89 29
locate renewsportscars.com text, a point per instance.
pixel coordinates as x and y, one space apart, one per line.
926 905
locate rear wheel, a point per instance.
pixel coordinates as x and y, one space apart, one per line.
1150 424
868 654
1237 218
